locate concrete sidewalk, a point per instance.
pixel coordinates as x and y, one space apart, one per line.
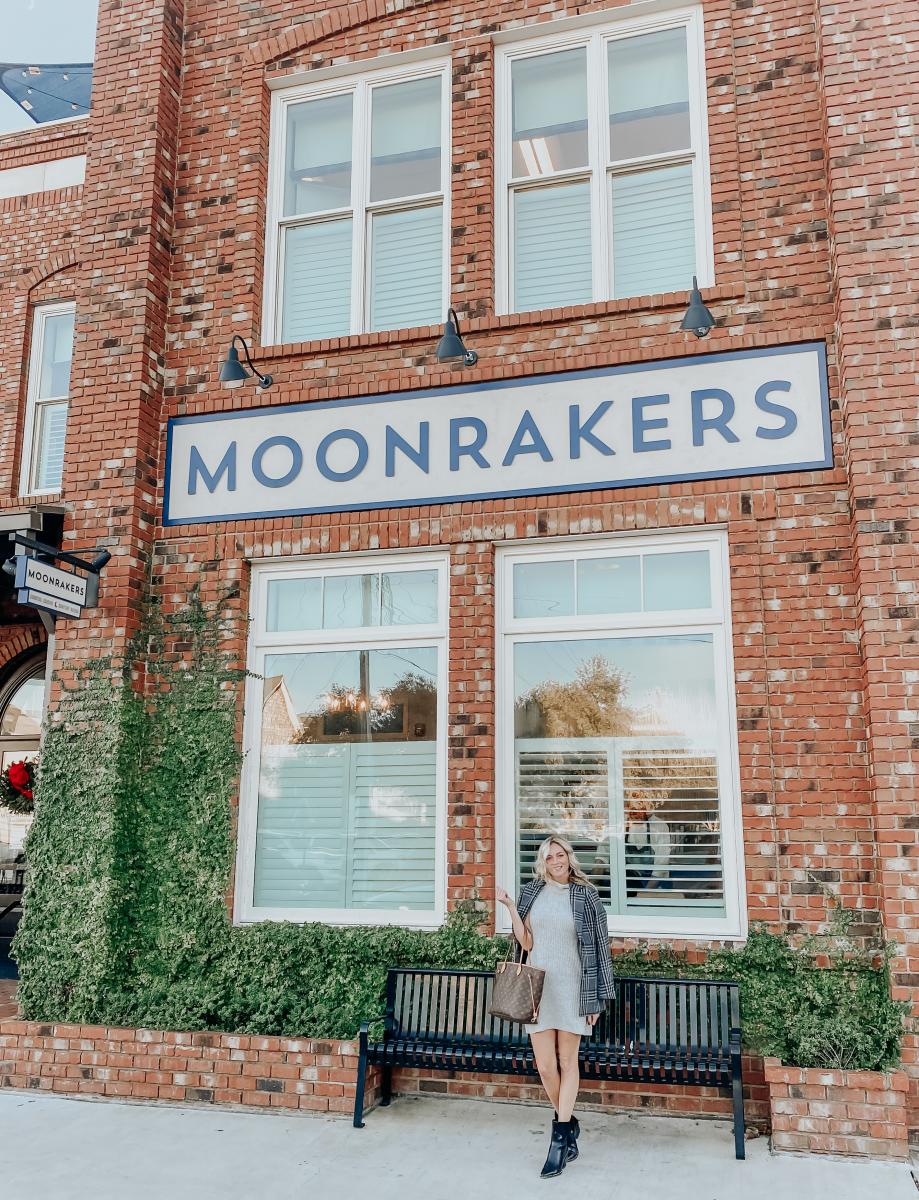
60 1149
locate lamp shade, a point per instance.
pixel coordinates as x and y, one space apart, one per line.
231 369
698 319
450 348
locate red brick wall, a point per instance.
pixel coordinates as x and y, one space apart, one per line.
813 195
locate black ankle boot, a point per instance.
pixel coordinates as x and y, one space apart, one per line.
558 1149
573 1138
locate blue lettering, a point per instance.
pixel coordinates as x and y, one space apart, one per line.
581 431
719 421
296 462
471 449
788 415
420 457
536 445
641 424
338 435
196 467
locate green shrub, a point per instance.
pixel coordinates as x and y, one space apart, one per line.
131 854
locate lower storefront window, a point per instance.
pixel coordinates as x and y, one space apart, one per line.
617 715
344 789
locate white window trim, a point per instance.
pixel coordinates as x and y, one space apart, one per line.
361 208
244 910
734 925
594 37
27 465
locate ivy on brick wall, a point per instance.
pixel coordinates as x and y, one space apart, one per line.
131 855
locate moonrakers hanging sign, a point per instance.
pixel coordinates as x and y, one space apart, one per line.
754 412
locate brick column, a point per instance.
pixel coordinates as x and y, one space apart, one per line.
114 422
871 114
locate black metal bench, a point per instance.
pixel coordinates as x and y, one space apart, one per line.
12 885
677 1031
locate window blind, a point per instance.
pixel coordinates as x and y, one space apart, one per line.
552 254
653 233
52 434
406 268
317 281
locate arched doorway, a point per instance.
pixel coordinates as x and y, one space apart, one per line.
22 709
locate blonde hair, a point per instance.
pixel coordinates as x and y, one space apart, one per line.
575 870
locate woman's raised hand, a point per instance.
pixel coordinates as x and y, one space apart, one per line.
503 898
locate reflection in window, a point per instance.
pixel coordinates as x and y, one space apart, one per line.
347 784
22 716
352 601
616 749
48 48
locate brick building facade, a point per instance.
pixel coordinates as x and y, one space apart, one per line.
801 170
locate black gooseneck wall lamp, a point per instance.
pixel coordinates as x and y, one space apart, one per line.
233 371
450 348
698 319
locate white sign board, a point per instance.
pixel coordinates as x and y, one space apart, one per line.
50 603
754 412
52 581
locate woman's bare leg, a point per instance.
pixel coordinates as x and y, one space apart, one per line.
545 1052
570 1078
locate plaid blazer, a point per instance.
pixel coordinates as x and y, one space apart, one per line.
597 984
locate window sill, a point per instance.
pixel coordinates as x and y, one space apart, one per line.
496 323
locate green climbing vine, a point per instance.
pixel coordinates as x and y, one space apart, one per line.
131 858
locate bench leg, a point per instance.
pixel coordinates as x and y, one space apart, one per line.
361 1084
740 1150
386 1087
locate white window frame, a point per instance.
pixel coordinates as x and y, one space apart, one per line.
598 170
368 637
30 440
361 209
716 621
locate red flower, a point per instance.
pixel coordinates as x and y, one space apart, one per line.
20 777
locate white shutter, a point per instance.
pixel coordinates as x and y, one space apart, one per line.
683 784
317 281
52 433
302 834
654 247
348 825
394 805
406 268
552 255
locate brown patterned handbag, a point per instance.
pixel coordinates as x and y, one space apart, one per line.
517 990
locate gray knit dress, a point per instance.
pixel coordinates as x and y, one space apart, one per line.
555 950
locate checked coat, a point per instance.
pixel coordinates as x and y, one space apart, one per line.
593 941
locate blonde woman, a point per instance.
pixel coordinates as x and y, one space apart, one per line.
560 920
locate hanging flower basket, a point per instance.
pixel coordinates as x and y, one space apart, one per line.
17 785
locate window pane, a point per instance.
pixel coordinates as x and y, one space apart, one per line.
23 714
318 168
648 95
350 601
549 102
294 604
409 597
552 257
348 780
654 245
544 589
616 750
677 581
609 585
406 268
49 446
405 139
56 355
317 281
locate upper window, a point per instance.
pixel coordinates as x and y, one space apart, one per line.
47 399
48 47
343 800
358 206
602 174
619 731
